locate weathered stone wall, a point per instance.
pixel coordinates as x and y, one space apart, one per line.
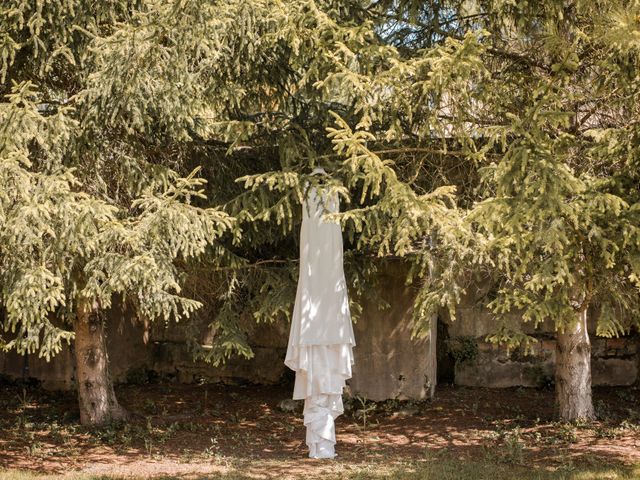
169 357
614 361
389 364
165 355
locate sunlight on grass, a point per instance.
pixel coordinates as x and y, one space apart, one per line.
448 469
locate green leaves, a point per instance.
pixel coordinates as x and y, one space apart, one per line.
394 220
139 252
557 224
459 138
60 246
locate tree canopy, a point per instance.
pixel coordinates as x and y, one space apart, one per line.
465 137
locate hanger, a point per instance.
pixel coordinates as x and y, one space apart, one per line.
318 172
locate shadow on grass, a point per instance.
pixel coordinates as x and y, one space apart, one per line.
200 432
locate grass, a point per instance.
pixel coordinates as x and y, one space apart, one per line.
464 434
436 468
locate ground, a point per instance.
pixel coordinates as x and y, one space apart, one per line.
238 432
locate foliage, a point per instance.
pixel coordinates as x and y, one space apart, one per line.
73 231
459 135
463 349
561 209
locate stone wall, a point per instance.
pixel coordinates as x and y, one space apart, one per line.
614 361
165 356
124 344
389 364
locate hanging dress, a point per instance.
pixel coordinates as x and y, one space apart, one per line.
321 336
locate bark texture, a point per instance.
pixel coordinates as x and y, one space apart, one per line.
573 371
97 399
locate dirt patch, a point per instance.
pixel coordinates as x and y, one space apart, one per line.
196 430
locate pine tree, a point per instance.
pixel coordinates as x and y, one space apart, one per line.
546 110
121 102
90 212
561 211
460 136
536 107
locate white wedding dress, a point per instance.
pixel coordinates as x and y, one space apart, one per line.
321 336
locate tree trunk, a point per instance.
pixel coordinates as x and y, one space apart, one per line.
638 357
573 371
98 403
